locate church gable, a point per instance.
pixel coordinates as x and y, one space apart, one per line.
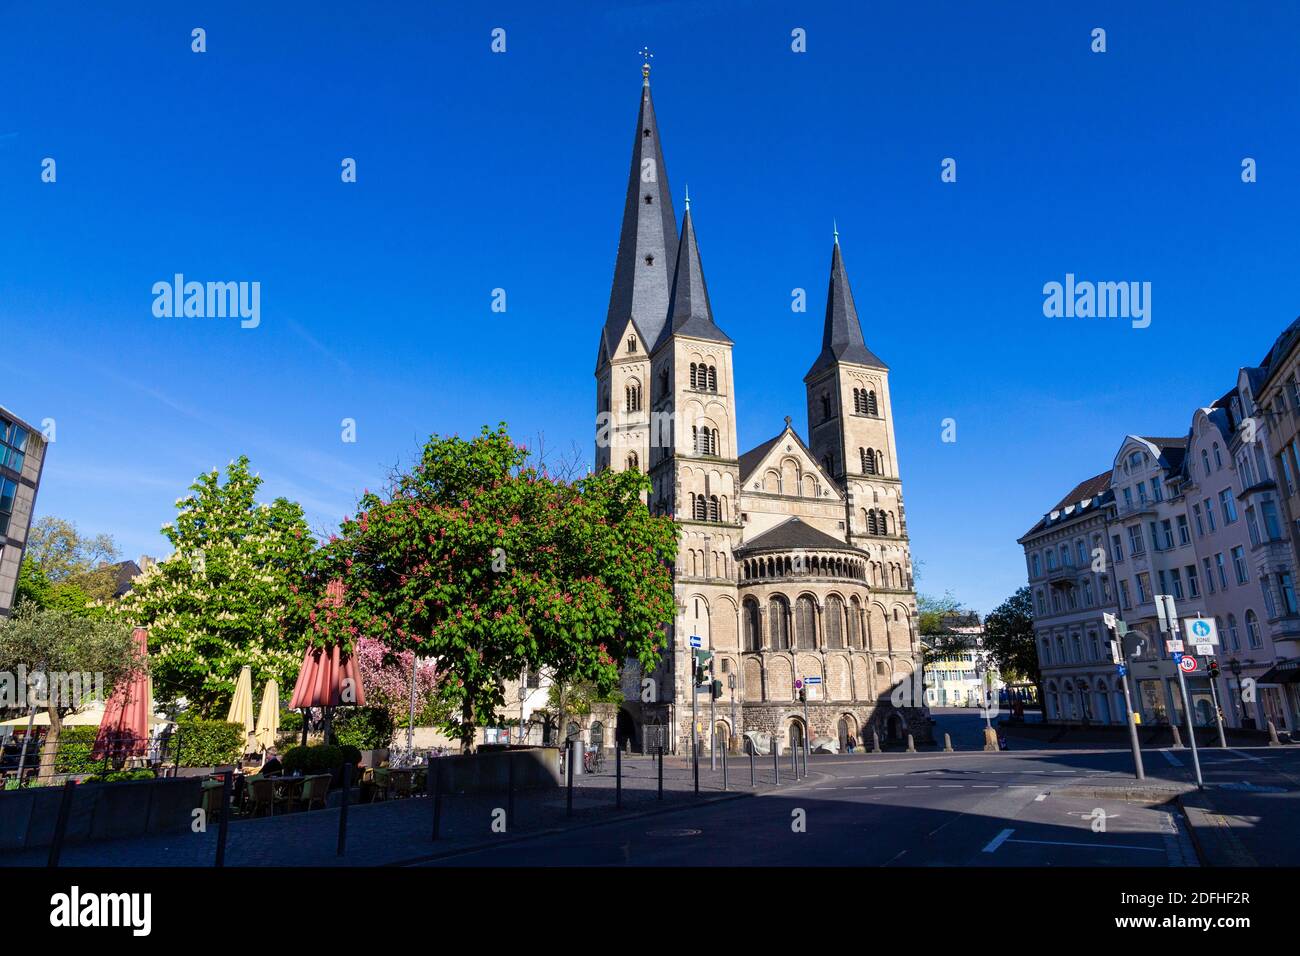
784 466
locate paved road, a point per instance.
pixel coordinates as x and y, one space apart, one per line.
932 809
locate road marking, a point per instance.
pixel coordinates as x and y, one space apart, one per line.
1174 761
917 787
857 788
950 786
1240 753
1040 798
1090 846
997 841
884 788
984 786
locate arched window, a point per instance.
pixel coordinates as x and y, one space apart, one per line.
834 622
633 463
699 508
868 461
631 343
1233 635
859 402
826 406
871 521
880 462
872 408
752 626
695 438
778 613
855 624
713 508
663 380
694 379
1252 629
713 379
634 397
805 623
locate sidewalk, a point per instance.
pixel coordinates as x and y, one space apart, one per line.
400 831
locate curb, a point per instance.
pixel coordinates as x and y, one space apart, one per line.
1154 796
1205 819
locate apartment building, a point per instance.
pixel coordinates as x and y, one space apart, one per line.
22 456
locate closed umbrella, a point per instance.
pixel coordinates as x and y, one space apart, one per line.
268 718
241 707
124 728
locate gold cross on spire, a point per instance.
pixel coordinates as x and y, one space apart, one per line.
647 56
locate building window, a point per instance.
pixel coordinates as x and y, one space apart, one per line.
805 622
1184 532
868 460
778 613
1193 582
1233 636
1239 564
1144 587
8 490
13 444
1223 574
753 626
1252 630
633 463
1135 545
714 512
872 409
1196 516
1209 575
1116 549
1228 505
826 407
633 397
631 341
1036 565
1209 514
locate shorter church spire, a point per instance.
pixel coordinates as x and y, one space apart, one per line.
842 339
689 312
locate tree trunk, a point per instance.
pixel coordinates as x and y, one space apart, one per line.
51 745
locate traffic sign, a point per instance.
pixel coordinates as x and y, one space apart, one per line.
798 683
1206 649
1188 664
1174 646
1122 670
1201 630
812 680
1165 612
1177 656
695 641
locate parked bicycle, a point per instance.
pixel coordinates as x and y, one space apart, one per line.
593 761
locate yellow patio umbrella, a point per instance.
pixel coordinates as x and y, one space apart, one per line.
268 718
241 707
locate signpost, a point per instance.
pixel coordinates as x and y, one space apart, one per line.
1169 621
1135 646
1203 632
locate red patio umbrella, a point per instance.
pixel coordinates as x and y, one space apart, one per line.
124 729
323 677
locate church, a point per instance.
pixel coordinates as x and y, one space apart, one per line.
794 567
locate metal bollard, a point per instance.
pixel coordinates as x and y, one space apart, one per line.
661 772
618 777
510 791
434 780
224 823
568 800
724 768
751 765
776 765
794 761
947 743
61 824
343 809
695 763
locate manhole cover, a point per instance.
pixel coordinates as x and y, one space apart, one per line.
674 832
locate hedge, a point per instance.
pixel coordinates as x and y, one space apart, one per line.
75 746
366 728
318 758
209 743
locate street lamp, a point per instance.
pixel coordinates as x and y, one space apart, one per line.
1234 665
523 696
986 680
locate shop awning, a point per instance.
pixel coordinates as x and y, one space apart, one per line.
1283 672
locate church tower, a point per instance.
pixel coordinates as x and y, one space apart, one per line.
638 301
851 433
695 468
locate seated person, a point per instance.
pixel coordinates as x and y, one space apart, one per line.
271 766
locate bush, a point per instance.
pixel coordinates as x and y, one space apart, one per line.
366 728
290 721
75 746
320 758
351 754
209 743
118 776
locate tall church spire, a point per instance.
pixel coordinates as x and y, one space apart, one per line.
842 335
689 312
647 245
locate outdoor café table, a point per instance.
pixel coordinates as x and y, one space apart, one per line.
289 787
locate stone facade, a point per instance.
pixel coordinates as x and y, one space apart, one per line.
794 560
22 457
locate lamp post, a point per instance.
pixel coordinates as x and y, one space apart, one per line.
731 685
986 681
523 696
1234 666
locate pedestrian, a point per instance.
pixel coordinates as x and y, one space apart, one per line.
850 743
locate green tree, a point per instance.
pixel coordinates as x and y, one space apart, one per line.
35 588
490 566
227 595
937 616
67 650
64 556
1009 638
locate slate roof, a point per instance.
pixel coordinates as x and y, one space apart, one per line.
1095 489
689 312
754 457
640 291
793 533
842 334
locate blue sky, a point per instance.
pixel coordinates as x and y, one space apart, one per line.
479 170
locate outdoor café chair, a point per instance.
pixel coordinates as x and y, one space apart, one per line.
315 789
400 784
383 780
261 794
211 801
